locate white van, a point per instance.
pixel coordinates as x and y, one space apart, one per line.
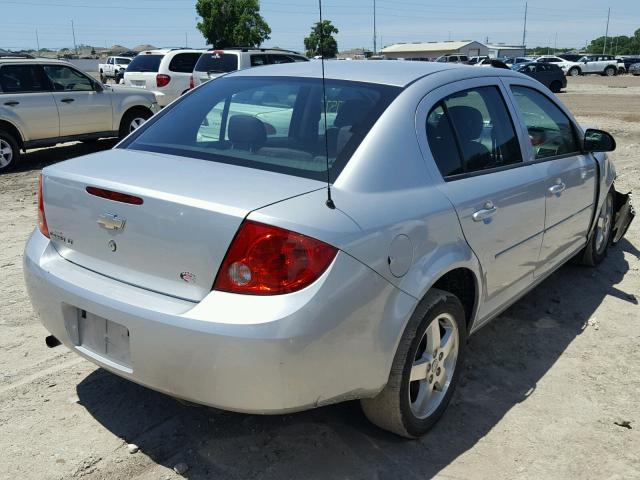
166 72
214 63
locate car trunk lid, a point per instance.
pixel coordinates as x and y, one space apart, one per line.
175 240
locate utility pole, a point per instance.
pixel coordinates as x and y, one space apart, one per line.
186 41
37 40
375 34
524 29
606 33
73 31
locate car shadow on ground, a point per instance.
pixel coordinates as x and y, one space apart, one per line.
37 159
505 361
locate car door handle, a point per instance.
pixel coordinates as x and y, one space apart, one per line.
12 103
68 100
488 211
557 188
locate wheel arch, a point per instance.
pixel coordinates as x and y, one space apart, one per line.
133 108
12 129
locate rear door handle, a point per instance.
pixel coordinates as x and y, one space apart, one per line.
488 211
12 103
557 188
68 100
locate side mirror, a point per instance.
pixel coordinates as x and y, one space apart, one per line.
97 86
598 141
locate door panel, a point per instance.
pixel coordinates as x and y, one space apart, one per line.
499 198
570 183
27 102
82 109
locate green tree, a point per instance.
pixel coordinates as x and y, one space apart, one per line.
324 31
229 23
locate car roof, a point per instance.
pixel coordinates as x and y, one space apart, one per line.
34 60
387 72
165 51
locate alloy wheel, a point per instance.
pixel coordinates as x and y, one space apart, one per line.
135 124
433 366
6 153
603 227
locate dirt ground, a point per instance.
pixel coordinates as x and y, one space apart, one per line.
545 390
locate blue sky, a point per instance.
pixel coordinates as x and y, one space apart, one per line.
167 22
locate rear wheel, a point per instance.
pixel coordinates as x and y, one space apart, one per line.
596 249
610 71
574 71
133 120
425 369
9 151
555 86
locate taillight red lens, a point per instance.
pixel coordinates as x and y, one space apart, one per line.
191 84
42 219
266 260
162 80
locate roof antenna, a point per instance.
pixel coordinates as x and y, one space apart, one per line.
329 201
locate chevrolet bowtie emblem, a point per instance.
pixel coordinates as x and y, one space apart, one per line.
111 221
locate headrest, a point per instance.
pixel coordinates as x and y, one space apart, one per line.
351 112
468 122
247 132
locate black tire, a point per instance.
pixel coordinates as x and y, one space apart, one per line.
129 117
610 71
9 151
555 86
391 408
599 241
574 71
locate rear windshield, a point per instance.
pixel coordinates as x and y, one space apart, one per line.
145 63
217 63
268 123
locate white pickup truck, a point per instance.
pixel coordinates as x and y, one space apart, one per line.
112 67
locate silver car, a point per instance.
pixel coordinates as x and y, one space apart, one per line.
44 102
268 245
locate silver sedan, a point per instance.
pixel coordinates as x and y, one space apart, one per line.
272 242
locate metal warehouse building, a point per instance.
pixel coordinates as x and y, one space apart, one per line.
433 50
502 50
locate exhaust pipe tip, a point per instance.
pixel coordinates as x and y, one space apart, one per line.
52 341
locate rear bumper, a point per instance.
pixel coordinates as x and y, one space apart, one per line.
332 341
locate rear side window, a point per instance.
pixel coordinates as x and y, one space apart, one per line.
258 60
184 62
23 79
217 62
281 59
123 61
270 123
145 63
550 130
478 124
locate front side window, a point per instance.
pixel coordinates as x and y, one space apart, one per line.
274 124
67 79
23 79
477 122
550 130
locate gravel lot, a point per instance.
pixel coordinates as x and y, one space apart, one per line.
548 388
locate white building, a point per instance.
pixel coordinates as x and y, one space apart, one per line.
433 50
497 50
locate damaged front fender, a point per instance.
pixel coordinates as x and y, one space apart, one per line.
623 216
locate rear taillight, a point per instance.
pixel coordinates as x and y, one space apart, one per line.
191 84
266 260
162 80
42 219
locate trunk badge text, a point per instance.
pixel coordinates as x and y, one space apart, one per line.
111 221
